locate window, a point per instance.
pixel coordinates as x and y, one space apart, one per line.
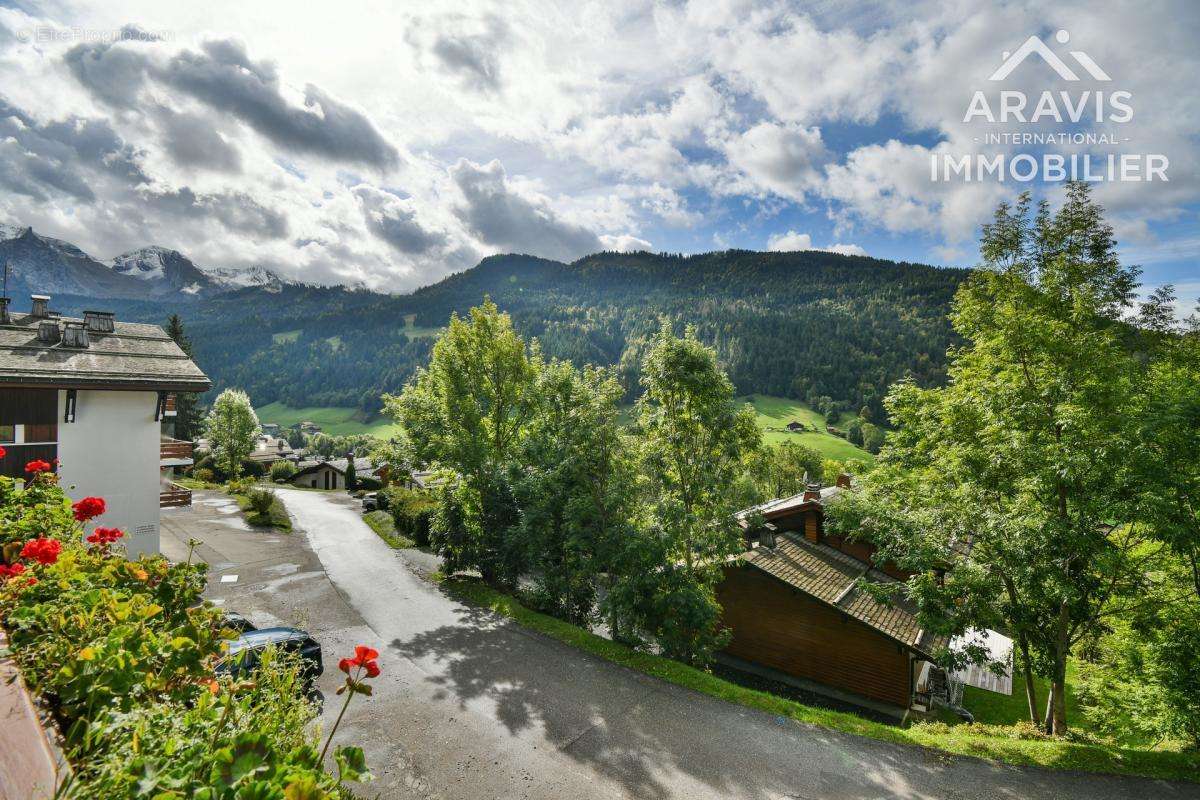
8 433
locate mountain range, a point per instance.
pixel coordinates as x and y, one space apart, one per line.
825 328
45 265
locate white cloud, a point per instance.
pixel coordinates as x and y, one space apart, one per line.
329 147
793 241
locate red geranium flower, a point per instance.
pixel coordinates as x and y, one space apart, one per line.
105 536
363 657
44 551
3 452
35 467
11 572
88 508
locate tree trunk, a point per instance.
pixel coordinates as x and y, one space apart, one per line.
1056 705
1027 670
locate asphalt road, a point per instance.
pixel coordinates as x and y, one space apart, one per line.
471 706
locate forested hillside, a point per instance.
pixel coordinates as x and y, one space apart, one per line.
814 326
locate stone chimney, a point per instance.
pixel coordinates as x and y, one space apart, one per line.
48 332
76 335
843 480
41 306
812 492
98 321
766 535
4 318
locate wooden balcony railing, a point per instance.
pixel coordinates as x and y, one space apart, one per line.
174 449
174 496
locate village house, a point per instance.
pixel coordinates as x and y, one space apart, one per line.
91 396
330 474
794 605
269 449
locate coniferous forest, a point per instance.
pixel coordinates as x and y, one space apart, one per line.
819 327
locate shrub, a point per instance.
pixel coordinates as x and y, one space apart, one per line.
203 475
282 470
253 469
239 486
412 512
260 500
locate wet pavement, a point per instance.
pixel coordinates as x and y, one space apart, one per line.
473 706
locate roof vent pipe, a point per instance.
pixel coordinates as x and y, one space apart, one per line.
41 305
48 332
4 318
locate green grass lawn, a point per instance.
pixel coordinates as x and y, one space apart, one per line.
774 413
333 420
385 528
285 336
412 331
999 743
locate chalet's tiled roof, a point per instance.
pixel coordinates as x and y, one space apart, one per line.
831 577
785 504
132 356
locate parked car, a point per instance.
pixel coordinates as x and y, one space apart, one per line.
238 623
375 501
245 653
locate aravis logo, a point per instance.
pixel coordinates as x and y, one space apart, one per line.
1035 45
1084 120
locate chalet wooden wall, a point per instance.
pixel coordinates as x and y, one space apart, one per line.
28 406
779 627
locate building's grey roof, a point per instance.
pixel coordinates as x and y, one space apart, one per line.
832 577
133 356
362 466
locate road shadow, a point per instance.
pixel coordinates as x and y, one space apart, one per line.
652 737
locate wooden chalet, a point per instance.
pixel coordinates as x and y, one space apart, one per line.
794 604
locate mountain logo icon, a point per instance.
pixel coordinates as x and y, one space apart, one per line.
1035 45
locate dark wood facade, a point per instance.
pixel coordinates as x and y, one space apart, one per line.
37 411
776 625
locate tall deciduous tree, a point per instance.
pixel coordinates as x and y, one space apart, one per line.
231 428
466 412
1024 457
187 411
572 483
693 440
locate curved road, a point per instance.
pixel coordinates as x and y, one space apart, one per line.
471 706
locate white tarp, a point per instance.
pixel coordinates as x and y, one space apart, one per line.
999 647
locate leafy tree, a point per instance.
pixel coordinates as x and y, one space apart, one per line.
872 437
187 411
1024 457
351 474
572 486
467 412
231 428
692 444
854 431
780 471
1169 455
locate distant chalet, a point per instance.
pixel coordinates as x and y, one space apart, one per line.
96 397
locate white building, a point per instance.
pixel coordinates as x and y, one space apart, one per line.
91 395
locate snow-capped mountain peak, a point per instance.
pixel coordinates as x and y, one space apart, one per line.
147 263
241 278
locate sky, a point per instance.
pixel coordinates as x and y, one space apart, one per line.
392 144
